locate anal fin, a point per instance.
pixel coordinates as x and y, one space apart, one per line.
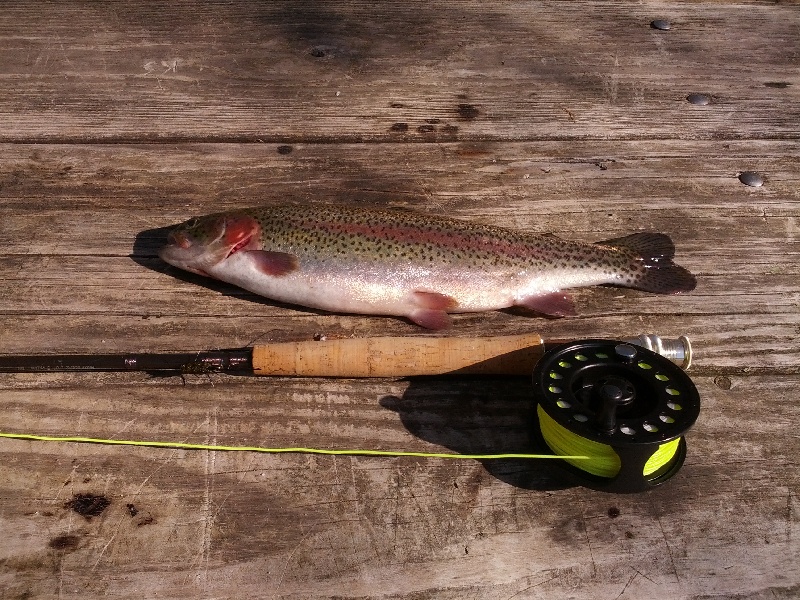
554 304
430 319
431 309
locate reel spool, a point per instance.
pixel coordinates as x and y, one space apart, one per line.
624 406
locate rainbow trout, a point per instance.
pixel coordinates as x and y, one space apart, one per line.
357 260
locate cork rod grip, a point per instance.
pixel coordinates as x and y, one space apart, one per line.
400 356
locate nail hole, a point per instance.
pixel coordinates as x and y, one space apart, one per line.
661 24
751 178
699 99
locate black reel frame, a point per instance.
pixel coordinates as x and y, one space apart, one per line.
618 394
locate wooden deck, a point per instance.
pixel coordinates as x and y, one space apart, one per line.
122 118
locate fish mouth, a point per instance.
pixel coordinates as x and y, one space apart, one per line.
180 256
184 251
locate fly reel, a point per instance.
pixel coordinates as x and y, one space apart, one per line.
622 406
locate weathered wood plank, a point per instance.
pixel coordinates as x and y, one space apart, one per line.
361 527
422 71
551 178
557 117
735 344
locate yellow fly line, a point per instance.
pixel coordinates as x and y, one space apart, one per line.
215 447
602 461
588 455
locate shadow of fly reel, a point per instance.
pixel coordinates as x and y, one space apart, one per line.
623 406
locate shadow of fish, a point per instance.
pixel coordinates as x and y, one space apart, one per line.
366 261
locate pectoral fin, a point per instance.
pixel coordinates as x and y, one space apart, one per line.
275 264
554 304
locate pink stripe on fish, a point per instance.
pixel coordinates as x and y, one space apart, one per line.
417 235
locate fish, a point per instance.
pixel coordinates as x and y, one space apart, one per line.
349 259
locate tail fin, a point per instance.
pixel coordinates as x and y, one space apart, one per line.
654 272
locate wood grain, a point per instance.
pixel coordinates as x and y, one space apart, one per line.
121 119
417 70
376 527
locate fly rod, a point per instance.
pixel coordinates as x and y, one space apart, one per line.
349 357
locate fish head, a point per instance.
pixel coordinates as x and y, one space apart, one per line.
201 244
